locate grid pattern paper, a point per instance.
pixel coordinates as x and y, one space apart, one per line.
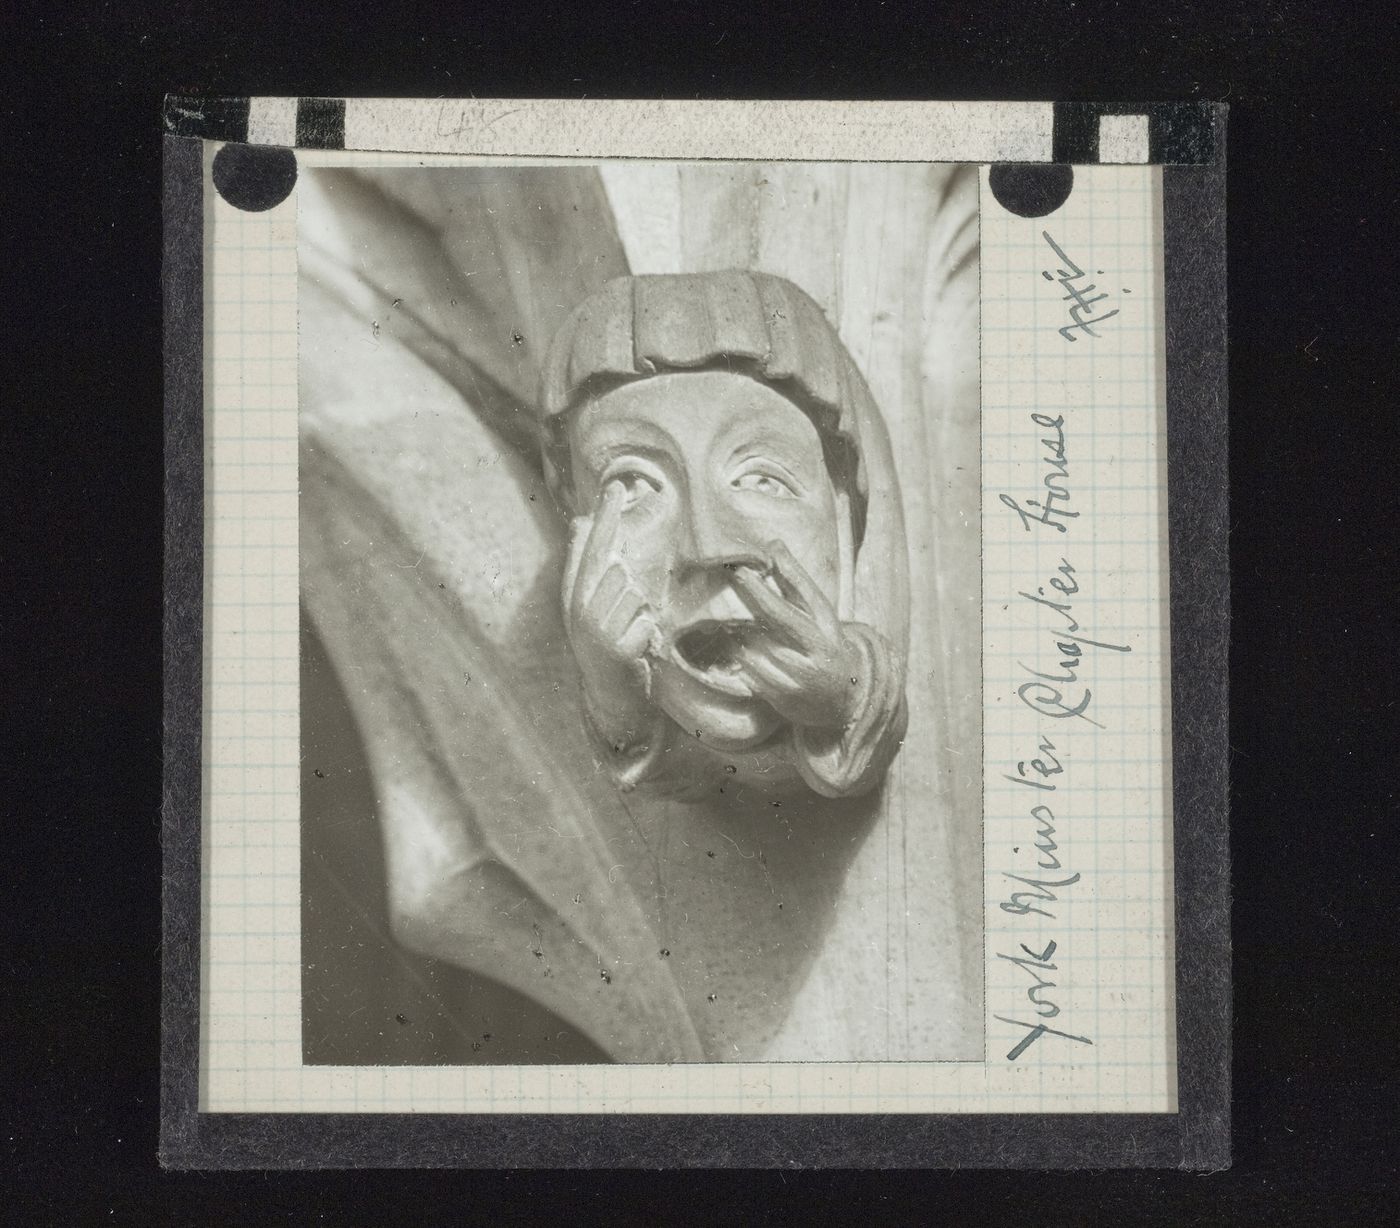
1114 973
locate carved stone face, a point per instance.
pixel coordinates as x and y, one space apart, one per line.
713 466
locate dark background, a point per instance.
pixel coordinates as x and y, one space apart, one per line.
1313 436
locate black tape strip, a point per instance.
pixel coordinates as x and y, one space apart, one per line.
1198 509
1177 132
210 119
182 285
320 123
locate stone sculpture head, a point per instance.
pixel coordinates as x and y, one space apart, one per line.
702 432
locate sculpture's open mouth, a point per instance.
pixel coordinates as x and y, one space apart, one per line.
710 651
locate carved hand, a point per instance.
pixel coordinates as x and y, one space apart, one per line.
611 627
805 664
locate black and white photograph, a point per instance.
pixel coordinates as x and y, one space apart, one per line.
640 593
686 621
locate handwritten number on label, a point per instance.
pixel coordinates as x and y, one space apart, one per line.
1081 298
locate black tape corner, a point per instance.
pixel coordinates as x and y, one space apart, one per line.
1178 132
209 119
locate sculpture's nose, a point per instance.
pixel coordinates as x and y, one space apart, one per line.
712 538
713 533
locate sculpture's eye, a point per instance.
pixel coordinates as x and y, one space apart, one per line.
764 482
636 485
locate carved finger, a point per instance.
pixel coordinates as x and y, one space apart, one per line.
770 608
611 585
579 529
630 602
596 557
609 516
796 662
794 578
637 639
770 680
